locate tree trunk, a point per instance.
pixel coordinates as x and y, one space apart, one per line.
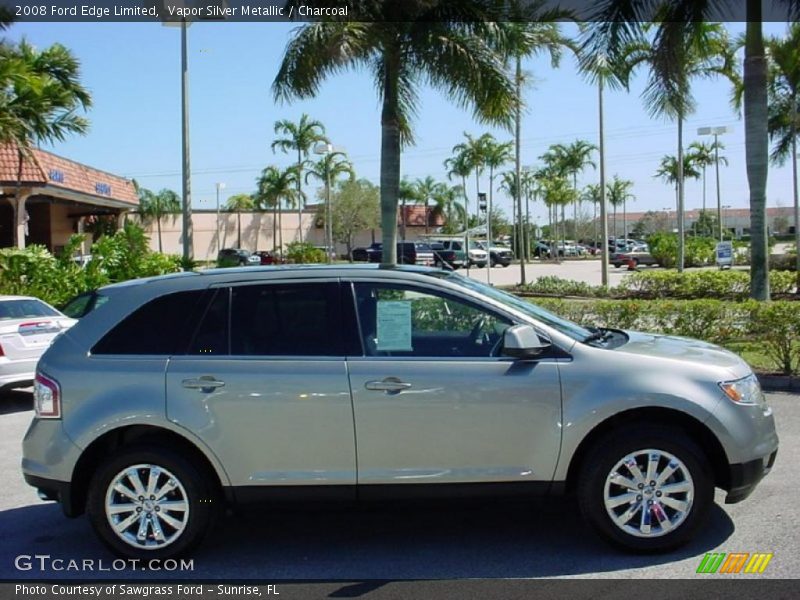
18 198
390 158
239 229
300 202
756 149
681 249
523 250
280 228
794 190
158 226
274 231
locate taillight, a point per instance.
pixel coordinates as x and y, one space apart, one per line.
2 352
46 397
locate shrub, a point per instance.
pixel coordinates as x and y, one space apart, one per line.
773 327
304 253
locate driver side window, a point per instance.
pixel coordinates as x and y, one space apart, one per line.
406 321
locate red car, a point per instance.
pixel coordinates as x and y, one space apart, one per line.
268 258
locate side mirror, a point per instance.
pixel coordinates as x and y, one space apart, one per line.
522 341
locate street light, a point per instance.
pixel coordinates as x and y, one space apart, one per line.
220 186
716 132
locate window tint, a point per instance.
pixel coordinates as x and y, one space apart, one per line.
161 327
403 321
286 320
211 337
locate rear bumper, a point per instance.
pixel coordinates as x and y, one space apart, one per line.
17 372
58 491
744 477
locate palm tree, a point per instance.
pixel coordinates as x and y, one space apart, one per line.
705 154
615 23
593 193
407 192
531 30
705 50
603 71
784 112
556 192
495 156
451 46
40 97
670 172
156 206
445 198
424 191
299 137
276 186
569 160
239 203
619 194
327 170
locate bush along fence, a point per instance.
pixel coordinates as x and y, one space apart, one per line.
729 285
771 329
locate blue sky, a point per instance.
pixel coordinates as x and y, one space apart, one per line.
133 72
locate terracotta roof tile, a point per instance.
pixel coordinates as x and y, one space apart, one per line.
46 168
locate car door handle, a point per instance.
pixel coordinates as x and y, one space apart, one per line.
390 385
206 383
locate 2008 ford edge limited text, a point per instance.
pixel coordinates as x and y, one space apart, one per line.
181 394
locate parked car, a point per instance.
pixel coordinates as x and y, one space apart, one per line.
541 250
475 256
269 258
498 255
632 259
409 253
363 254
237 257
185 394
27 327
444 258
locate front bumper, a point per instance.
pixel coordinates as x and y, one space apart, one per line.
744 477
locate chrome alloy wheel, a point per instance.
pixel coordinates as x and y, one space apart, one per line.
147 506
648 493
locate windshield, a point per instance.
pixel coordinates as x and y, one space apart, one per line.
569 328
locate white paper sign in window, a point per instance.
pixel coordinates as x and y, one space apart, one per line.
394 326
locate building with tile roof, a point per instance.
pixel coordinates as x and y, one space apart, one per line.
53 196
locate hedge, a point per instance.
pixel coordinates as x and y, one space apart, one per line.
775 326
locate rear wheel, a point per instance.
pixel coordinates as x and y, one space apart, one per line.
149 502
646 489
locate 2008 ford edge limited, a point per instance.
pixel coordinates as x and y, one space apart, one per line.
182 394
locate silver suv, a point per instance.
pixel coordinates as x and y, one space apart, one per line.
182 394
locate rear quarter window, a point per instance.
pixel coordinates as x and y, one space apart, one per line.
162 326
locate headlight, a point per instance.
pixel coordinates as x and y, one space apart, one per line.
745 391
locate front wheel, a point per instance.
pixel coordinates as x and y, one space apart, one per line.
151 503
646 489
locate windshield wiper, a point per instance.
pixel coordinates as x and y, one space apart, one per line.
598 335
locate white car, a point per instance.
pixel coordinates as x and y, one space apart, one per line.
27 328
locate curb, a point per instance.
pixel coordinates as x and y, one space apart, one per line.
779 383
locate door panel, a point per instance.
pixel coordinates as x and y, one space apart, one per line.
433 401
274 422
265 385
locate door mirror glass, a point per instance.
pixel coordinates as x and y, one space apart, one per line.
522 341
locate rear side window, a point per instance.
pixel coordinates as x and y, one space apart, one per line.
286 320
24 308
163 326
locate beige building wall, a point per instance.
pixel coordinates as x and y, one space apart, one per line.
257 232
61 226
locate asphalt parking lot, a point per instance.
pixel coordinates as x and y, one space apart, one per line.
423 542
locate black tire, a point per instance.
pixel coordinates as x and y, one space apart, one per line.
618 445
203 497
